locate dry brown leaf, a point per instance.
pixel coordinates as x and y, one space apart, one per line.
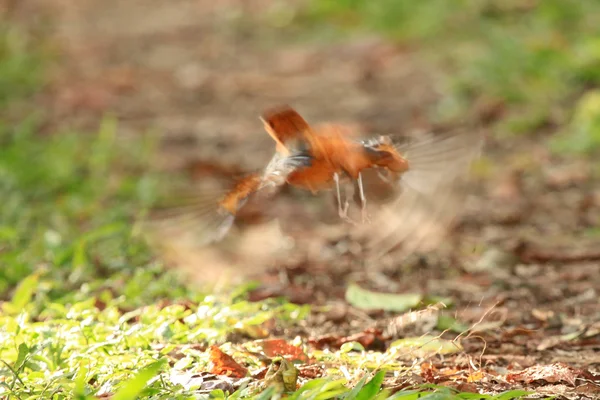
312 371
224 364
370 339
476 376
558 372
279 347
588 389
429 372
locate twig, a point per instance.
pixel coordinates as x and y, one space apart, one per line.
529 253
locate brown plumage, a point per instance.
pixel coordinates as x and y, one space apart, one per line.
320 157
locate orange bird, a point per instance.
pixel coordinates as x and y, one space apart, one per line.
317 158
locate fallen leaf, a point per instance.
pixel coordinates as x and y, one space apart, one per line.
279 347
425 345
429 372
558 372
467 387
251 331
476 376
294 293
542 315
312 371
553 341
285 378
421 318
589 389
370 339
511 333
203 381
224 364
368 300
447 322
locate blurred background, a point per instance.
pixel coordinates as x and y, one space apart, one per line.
104 100
105 104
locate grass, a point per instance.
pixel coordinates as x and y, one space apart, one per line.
20 68
538 60
86 311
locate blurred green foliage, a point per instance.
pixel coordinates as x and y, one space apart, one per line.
21 65
534 57
584 130
68 212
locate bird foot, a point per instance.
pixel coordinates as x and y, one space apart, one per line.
364 216
343 213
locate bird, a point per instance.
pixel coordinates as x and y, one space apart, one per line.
325 156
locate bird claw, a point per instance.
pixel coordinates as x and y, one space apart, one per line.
365 219
343 213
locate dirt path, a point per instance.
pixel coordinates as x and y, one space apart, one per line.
187 71
525 248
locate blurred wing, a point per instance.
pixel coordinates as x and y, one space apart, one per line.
186 230
437 161
431 195
193 215
204 214
285 125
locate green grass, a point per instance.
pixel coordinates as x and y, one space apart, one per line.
20 65
535 58
94 346
69 200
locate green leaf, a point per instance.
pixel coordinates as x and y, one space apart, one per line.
352 394
81 380
512 394
216 394
368 300
439 396
370 390
424 345
312 385
408 395
331 394
132 388
24 292
351 346
23 351
448 322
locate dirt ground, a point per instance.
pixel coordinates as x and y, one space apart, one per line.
520 260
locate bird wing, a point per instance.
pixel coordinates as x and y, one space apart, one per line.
286 126
202 214
430 194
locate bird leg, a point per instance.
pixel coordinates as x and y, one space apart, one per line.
342 212
363 200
